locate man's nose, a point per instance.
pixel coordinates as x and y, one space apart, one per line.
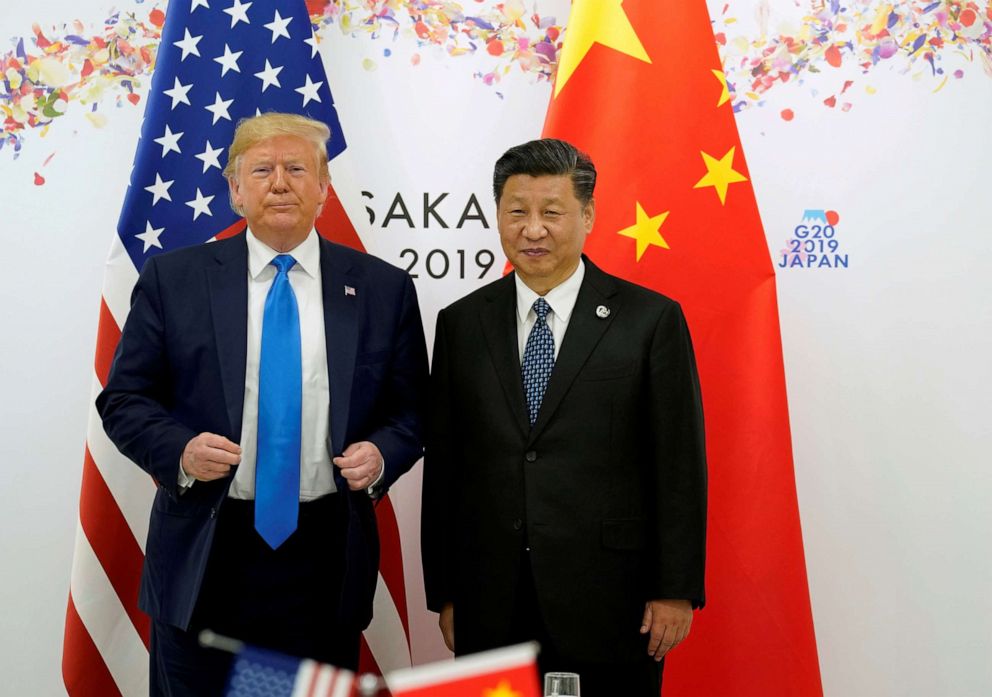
534 228
279 179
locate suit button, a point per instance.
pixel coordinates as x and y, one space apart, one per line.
530 456
517 524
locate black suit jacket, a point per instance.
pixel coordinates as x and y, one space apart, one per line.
179 370
608 489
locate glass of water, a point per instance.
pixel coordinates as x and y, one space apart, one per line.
561 685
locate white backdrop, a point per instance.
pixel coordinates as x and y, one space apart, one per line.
887 359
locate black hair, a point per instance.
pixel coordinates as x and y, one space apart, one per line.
547 156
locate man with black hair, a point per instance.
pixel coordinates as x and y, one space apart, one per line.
564 495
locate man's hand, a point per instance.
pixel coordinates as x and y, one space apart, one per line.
208 457
668 622
360 464
446 621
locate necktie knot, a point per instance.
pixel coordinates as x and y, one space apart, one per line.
283 263
541 309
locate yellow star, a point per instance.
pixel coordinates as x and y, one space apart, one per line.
596 22
725 95
502 690
646 231
720 174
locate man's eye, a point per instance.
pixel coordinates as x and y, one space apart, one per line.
552 213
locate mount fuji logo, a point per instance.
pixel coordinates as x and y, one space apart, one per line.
814 243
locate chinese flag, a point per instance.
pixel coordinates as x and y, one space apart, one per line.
506 672
640 88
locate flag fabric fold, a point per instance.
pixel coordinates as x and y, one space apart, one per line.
640 88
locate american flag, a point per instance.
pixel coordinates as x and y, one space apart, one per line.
260 673
216 65
218 61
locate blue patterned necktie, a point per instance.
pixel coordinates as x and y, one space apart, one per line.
280 397
539 359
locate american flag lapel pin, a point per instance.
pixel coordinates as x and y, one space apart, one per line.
348 290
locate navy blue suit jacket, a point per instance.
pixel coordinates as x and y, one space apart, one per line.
179 370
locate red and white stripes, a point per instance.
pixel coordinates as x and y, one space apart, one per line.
321 680
105 651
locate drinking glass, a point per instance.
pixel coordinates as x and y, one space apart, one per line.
561 685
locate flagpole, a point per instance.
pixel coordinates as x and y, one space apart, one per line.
211 640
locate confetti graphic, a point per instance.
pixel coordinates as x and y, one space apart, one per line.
46 72
101 68
838 43
505 31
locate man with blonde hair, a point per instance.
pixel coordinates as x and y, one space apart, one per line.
273 385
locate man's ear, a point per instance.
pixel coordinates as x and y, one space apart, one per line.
236 199
589 215
325 185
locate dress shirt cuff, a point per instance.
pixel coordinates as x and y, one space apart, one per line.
373 488
184 480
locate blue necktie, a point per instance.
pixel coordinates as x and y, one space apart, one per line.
280 397
539 359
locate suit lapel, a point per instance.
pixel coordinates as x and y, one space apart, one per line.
341 321
228 282
499 326
585 329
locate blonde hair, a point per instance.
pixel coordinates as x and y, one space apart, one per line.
253 130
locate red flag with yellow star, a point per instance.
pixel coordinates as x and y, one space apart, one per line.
506 672
640 88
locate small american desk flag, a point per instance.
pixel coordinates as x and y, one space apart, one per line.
260 673
218 61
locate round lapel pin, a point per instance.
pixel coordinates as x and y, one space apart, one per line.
602 312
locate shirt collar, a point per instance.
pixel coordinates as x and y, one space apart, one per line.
260 255
561 298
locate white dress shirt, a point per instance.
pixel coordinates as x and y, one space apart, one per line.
316 470
561 298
